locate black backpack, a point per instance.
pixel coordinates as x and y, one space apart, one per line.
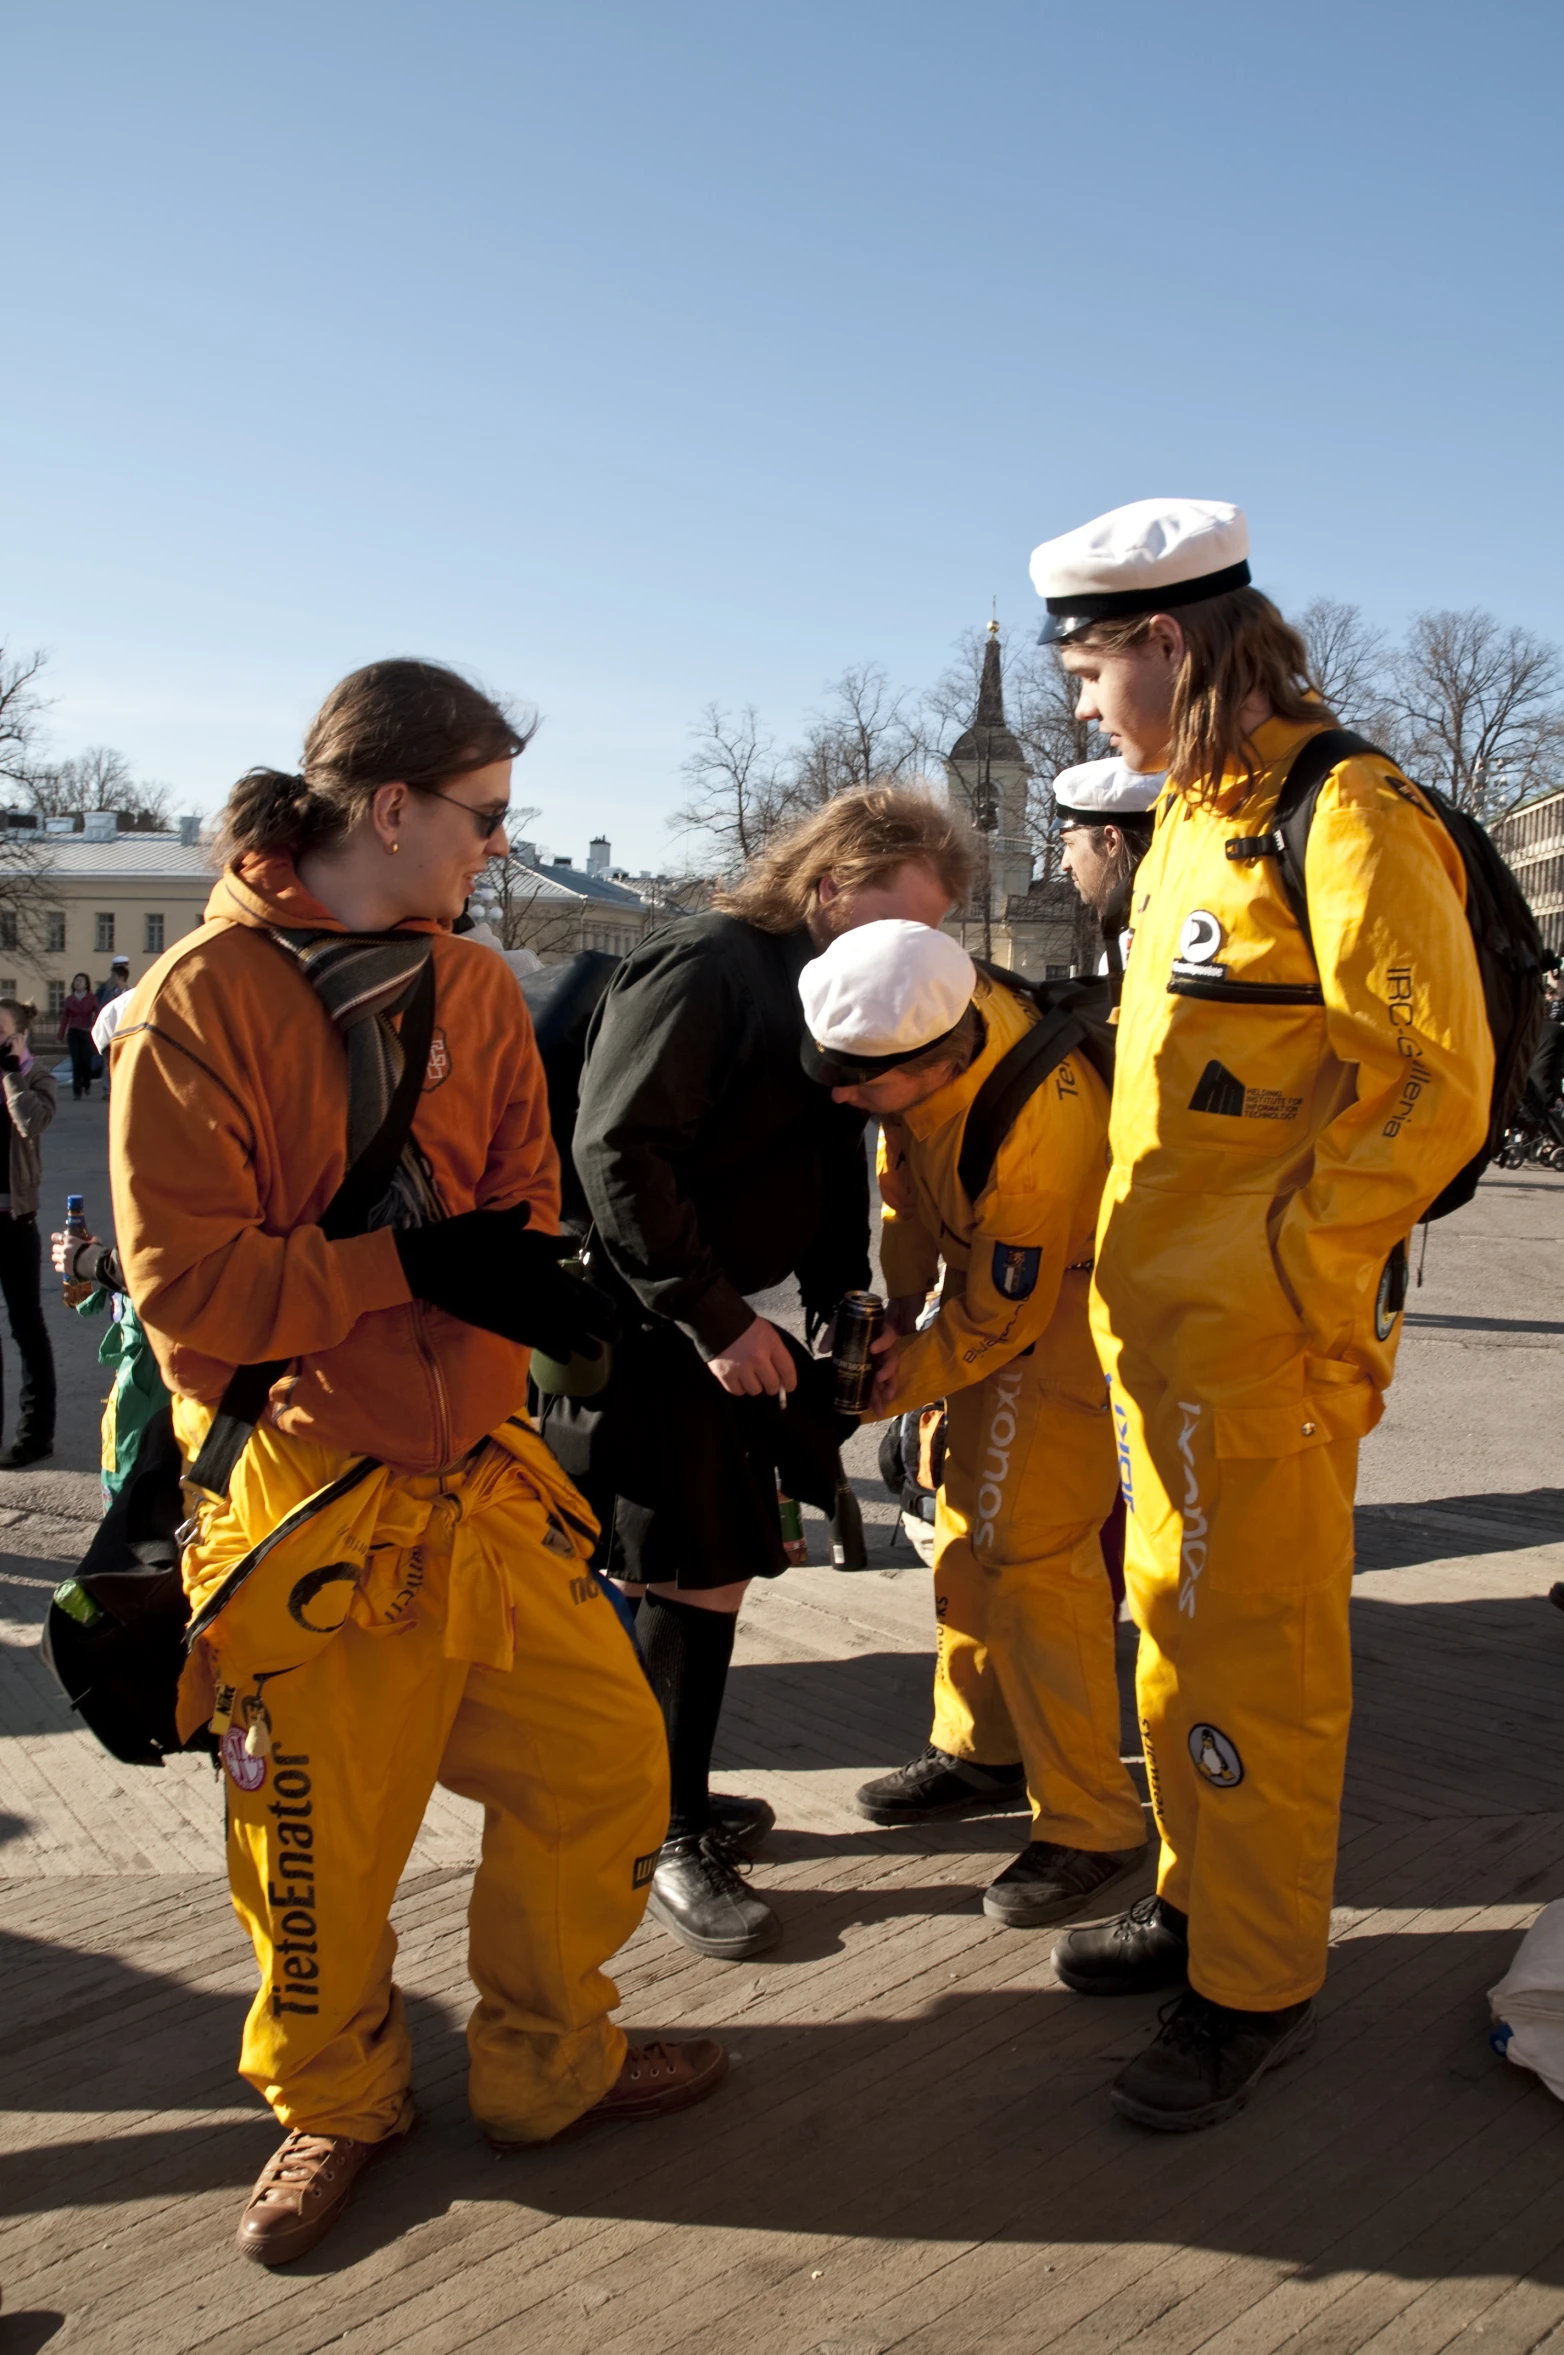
1510 954
563 1002
1072 1014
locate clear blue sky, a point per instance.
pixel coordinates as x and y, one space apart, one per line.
632 355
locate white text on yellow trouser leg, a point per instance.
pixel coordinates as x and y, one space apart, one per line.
1029 1480
563 1747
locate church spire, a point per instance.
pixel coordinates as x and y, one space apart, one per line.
990 713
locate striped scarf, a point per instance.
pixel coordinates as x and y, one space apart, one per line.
362 980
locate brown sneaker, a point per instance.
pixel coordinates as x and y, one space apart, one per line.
302 2190
656 2079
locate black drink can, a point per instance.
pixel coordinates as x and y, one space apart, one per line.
860 1321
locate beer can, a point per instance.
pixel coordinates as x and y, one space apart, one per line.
860 1321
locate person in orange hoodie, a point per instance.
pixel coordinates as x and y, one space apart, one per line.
387 1572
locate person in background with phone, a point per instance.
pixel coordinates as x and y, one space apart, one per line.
29 1104
77 1016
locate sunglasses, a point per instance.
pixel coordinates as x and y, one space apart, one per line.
488 822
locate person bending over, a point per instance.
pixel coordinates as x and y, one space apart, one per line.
714 1170
904 1028
390 1587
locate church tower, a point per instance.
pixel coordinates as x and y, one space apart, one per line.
987 775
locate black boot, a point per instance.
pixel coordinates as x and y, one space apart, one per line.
936 1786
1207 2061
1048 1883
742 1823
28 1447
699 1897
1145 1949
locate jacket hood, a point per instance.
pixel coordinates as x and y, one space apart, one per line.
262 889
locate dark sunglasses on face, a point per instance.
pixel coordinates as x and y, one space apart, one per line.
488 822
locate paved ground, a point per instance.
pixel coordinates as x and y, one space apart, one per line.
914 2152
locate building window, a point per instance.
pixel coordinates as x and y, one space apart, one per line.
103 932
7 928
8 985
54 929
56 996
153 944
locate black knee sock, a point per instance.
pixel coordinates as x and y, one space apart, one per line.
687 1652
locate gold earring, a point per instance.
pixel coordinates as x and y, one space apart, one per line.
394 848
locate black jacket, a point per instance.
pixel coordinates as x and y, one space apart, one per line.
712 1165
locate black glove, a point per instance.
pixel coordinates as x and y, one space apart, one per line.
10 1058
487 1269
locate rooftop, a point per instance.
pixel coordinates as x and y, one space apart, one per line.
556 882
72 857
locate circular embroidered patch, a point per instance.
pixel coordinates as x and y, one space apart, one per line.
1200 938
244 1772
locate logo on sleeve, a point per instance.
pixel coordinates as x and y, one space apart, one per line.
1215 1756
1015 1269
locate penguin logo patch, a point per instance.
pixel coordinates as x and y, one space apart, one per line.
1200 938
1215 1756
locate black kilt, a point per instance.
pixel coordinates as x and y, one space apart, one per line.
684 1478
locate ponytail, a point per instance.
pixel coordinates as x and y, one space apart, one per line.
399 722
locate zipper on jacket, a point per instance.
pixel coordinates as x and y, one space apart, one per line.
1248 993
442 1403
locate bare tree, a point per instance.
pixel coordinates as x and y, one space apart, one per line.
865 737
1480 706
735 799
21 711
98 779
1348 662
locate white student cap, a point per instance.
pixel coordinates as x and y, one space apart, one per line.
1149 557
1096 792
879 995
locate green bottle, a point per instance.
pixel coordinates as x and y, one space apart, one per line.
74 1600
575 1376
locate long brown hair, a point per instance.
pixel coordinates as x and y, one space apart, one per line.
1235 646
860 839
402 721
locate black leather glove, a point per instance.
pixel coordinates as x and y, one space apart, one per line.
10 1055
486 1268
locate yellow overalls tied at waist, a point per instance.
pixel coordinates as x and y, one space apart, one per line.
1025 1661
1280 1121
397 1631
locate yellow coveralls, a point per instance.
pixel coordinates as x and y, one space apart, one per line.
1279 1124
1025 1662
400 1630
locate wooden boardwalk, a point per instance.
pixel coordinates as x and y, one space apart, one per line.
914 2151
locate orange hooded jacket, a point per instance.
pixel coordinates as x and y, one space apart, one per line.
229 1138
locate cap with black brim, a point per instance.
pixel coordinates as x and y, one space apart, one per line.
1068 616
835 1070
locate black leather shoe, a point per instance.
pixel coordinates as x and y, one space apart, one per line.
1145 1949
24 1450
1048 1883
936 1786
743 1823
1206 2062
699 1897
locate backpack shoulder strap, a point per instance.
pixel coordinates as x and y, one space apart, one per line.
1288 840
240 1407
1018 1074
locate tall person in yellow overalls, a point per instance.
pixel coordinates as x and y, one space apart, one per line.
1282 1117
